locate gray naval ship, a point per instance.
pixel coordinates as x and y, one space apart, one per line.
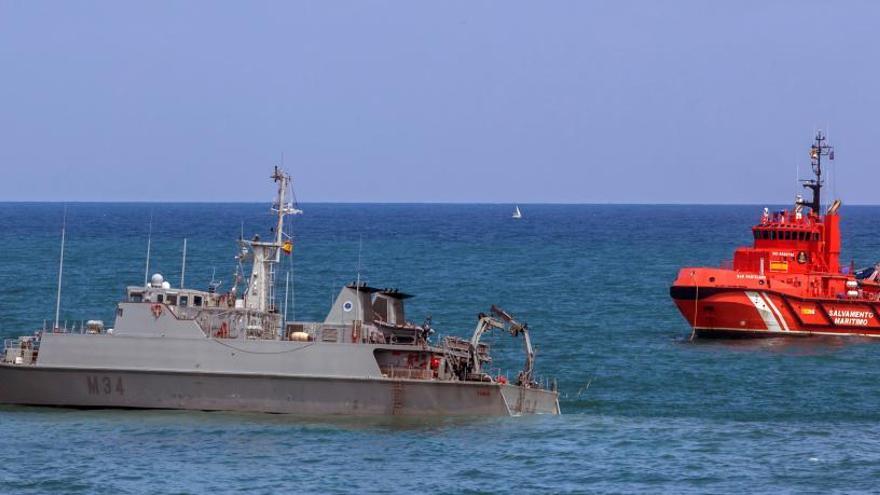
176 348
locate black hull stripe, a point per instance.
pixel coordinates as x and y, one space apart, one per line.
689 293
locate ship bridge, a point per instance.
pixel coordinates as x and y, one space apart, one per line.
792 242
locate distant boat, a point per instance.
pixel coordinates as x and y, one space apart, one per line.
517 213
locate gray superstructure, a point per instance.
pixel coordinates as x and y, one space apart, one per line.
176 348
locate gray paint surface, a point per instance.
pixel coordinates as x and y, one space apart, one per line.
114 388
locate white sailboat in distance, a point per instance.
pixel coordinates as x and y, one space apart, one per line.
517 213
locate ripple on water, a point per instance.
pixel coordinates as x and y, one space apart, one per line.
661 414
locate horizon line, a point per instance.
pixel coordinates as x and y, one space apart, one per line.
378 203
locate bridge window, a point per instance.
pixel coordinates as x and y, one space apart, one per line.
184 300
197 300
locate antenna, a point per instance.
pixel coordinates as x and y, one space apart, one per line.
60 269
286 297
149 243
183 264
819 149
292 293
358 284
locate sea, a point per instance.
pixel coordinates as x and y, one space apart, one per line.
644 408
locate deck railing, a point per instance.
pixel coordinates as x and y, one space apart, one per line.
407 373
14 352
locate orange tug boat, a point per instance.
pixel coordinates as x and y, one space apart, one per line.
789 282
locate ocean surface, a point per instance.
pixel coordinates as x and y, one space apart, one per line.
644 409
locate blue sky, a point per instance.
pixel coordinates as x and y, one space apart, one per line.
459 101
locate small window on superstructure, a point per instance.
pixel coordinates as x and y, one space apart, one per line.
172 299
160 298
772 235
197 301
135 297
184 300
815 236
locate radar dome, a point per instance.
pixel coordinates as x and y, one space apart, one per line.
166 285
156 280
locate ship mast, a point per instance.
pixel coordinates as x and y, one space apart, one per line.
819 149
60 271
267 254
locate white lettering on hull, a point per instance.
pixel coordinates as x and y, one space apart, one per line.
860 322
851 317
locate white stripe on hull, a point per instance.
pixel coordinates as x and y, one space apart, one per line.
800 333
775 310
764 311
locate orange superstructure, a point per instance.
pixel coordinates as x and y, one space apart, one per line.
789 282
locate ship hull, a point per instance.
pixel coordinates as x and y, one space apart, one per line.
311 396
722 312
